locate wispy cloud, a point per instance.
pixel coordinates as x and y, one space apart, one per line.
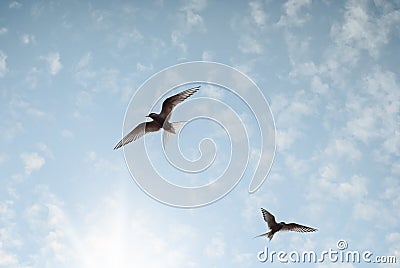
353 189
144 68
363 30
250 45
216 248
32 162
128 37
3 30
54 62
343 148
47 217
257 13
374 111
212 91
189 19
27 39
294 13
67 134
15 5
7 259
207 55
3 64
3 158
8 242
11 129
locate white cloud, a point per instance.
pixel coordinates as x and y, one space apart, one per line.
318 86
189 20
32 77
3 64
212 91
68 134
176 38
143 68
290 109
7 234
394 240
285 138
50 229
250 45
6 212
3 30
127 37
343 148
374 111
84 61
364 30
53 60
3 158
207 56
45 149
304 69
216 248
370 210
84 100
10 131
295 165
193 19
15 4
27 39
195 5
354 189
32 162
293 13
17 105
7 259
257 13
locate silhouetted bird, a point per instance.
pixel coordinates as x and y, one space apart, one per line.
282 226
159 120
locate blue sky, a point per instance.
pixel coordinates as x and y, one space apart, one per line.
68 70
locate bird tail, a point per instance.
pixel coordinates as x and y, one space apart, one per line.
176 126
173 129
269 234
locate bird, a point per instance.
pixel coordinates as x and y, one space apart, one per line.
160 120
281 226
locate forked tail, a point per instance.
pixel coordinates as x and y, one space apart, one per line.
268 234
173 129
176 126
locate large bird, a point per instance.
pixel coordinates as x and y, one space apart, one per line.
159 120
281 226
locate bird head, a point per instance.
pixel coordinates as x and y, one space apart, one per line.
152 115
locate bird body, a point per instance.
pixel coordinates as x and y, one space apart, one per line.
161 120
281 226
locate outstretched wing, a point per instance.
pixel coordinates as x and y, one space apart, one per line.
172 101
297 228
268 218
138 132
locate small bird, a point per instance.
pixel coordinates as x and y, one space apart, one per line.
282 226
159 120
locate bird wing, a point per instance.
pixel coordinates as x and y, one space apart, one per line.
268 218
172 101
297 228
138 132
